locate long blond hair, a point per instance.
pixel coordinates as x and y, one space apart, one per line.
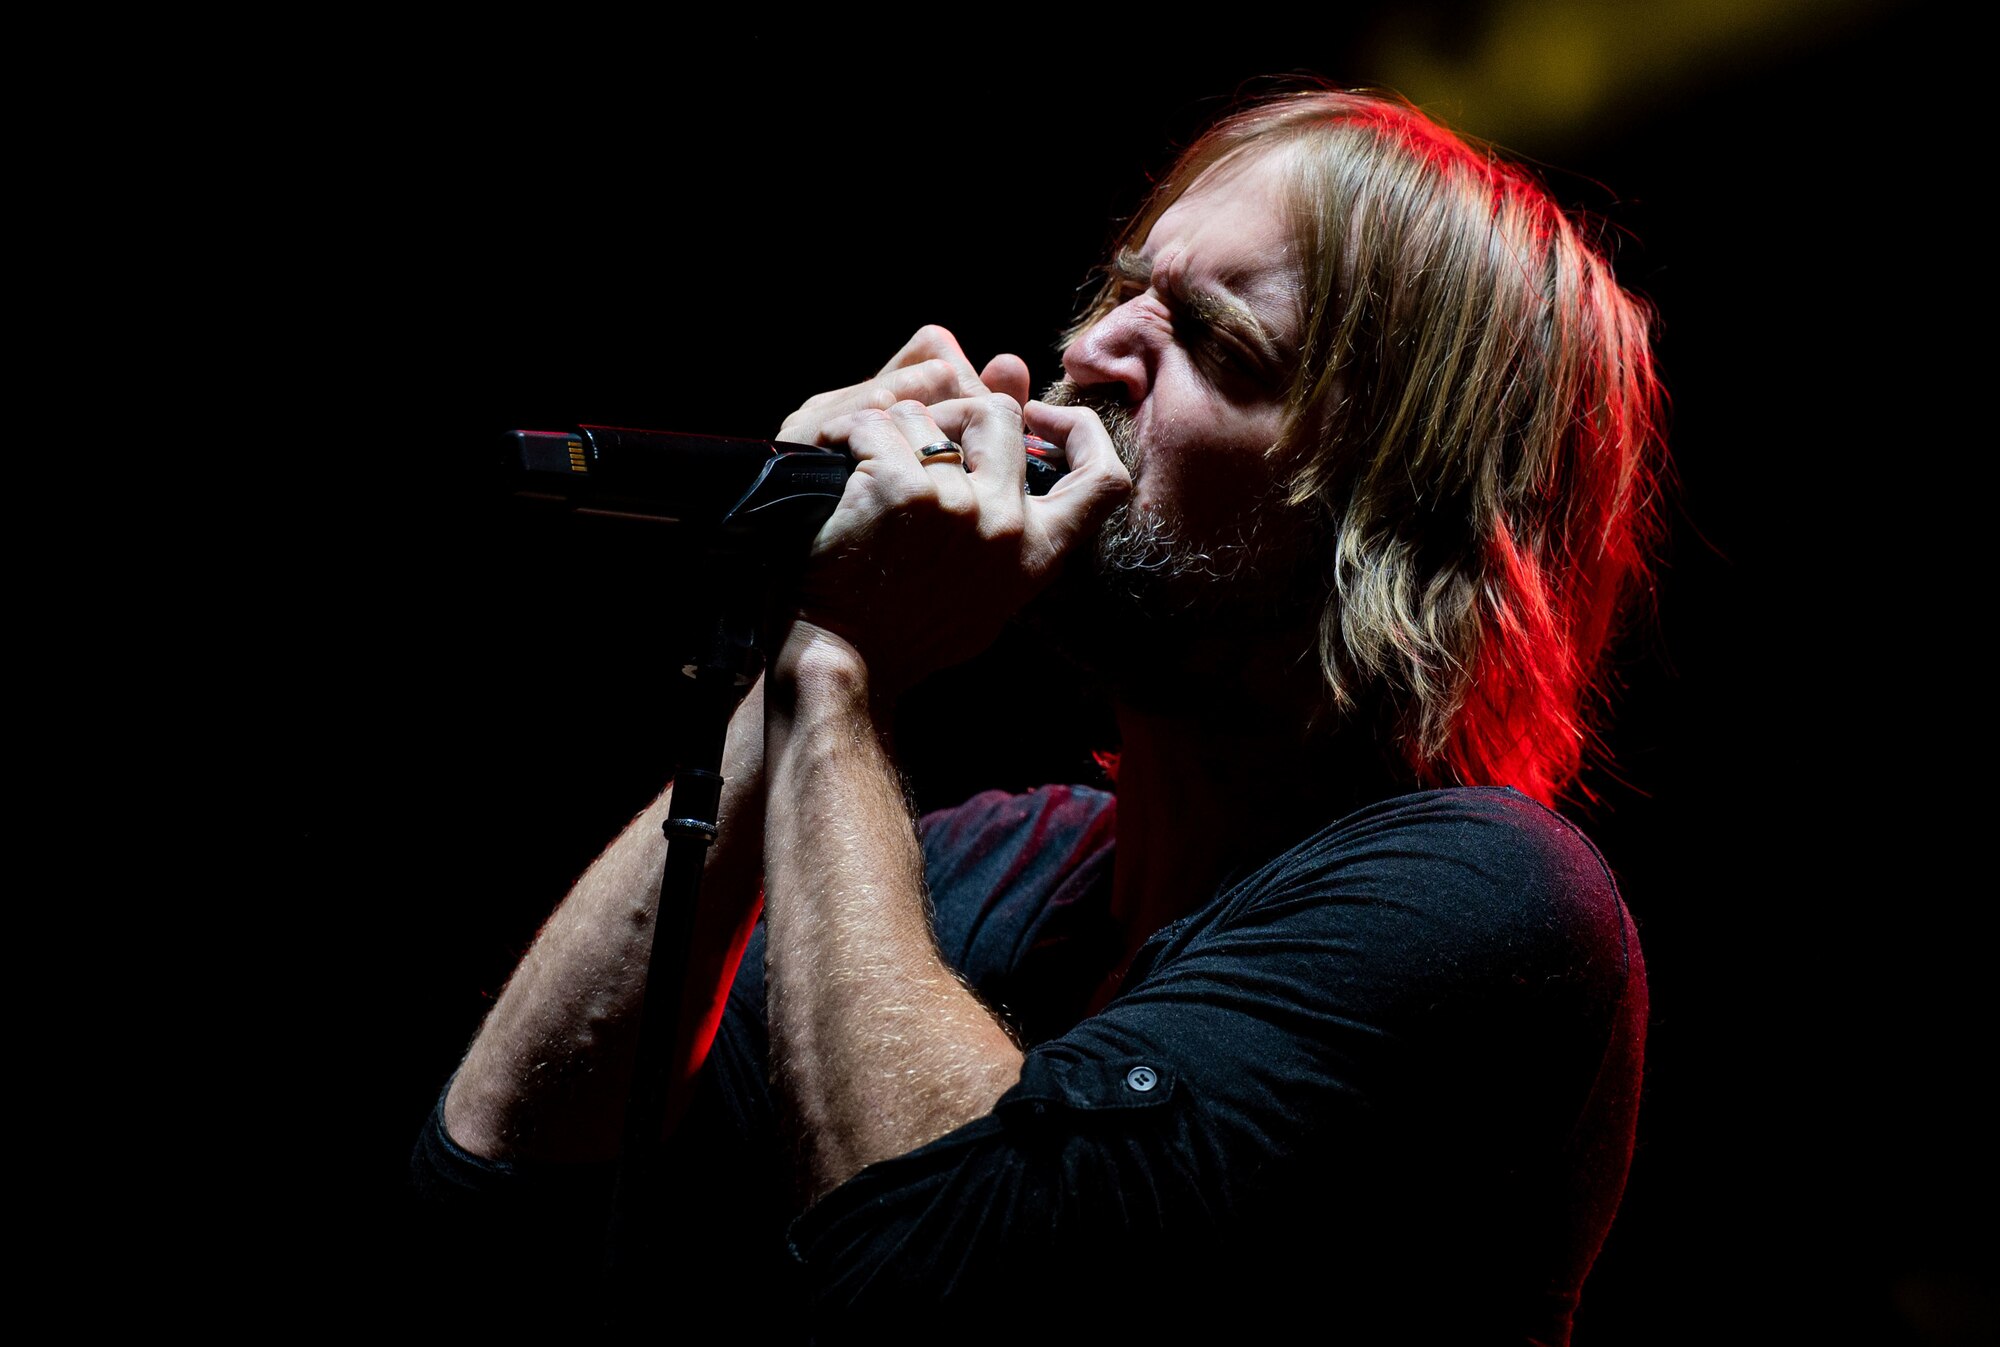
1475 415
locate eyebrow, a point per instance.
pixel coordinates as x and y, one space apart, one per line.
1214 308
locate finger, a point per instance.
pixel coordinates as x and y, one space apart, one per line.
1096 481
925 381
1086 444
947 474
933 342
1008 374
989 427
906 414
885 459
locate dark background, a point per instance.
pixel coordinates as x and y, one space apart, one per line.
451 705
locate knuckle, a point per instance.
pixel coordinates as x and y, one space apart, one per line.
925 380
894 494
937 375
935 336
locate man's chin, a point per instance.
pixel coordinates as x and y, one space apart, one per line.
1166 643
1124 655
1168 621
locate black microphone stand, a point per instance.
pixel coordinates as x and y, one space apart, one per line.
739 569
719 675
751 509
742 565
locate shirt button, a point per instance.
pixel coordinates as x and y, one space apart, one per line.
1141 1078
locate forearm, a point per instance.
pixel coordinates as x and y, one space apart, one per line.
876 1046
548 1074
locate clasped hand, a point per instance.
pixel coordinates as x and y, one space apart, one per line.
922 562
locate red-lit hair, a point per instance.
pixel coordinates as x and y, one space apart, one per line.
1476 418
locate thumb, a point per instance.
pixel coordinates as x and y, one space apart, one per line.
1096 482
1007 374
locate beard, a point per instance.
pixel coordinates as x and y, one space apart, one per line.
1159 565
1169 618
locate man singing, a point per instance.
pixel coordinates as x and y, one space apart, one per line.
1326 1012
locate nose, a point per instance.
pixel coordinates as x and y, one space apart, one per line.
1114 351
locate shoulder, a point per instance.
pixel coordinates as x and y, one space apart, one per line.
995 834
1456 875
1453 898
1006 872
994 814
1482 827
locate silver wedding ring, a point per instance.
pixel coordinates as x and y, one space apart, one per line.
944 451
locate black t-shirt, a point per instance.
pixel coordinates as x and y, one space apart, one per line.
1387 1081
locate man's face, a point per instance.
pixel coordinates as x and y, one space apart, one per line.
1190 373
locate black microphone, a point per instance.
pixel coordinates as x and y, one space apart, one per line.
738 489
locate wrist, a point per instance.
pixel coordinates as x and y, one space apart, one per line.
818 670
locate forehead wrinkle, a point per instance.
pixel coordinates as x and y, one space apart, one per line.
1215 306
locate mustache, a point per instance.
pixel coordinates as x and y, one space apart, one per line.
1112 409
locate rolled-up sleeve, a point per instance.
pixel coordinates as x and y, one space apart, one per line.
1074 1149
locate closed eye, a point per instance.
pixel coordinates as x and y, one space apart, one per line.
1222 335
1219 359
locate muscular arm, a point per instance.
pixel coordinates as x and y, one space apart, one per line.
547 1075
875 1044
549 1071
